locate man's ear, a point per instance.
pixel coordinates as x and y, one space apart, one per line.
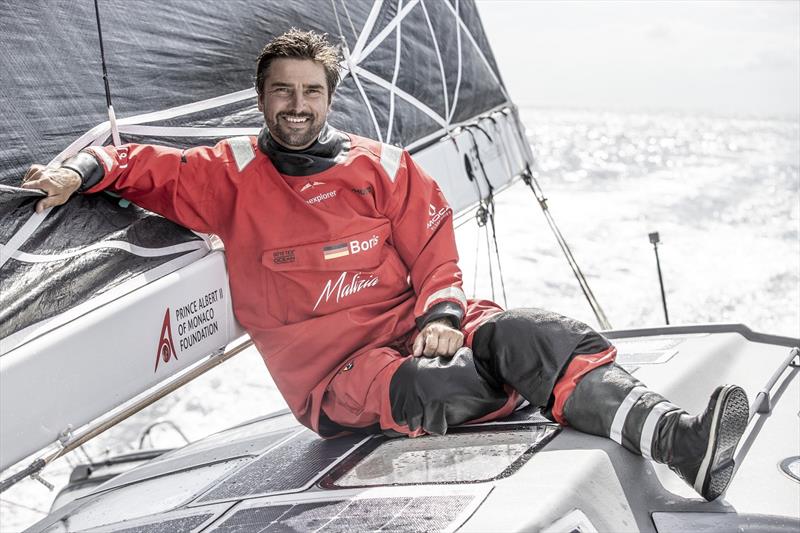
260 103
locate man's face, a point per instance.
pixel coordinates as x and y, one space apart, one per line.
295 101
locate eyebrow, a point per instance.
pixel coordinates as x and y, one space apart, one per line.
284 84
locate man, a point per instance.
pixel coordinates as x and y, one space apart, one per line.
354 300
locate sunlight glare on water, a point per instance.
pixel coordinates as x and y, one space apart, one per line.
722 193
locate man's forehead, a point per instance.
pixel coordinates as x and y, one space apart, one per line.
285 70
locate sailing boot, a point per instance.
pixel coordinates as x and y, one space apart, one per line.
608 401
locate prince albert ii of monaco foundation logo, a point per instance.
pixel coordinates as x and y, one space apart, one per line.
166 348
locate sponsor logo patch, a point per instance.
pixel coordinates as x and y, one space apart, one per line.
166 348
321 197
335 250
353 247
341 288
366 191
311 184
283 256
436 216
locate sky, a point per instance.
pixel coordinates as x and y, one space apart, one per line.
739 58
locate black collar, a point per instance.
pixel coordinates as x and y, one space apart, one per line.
329 149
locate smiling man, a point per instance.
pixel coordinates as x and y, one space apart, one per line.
343 270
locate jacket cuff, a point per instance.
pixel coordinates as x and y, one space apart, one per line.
88 168
449 310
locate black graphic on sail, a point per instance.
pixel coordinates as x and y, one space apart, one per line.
181 74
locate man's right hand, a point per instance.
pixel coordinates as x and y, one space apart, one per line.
58 183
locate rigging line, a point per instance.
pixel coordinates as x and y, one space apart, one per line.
86 454
339 24
533 183
477 253
350 20
596 309
384 33
21 506
394 77
458 75
353 69
441 63
500 131
489 202
112 119
497 254
489 256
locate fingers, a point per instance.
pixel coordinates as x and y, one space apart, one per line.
51 201
432 341
58 183
454 343
33 173
438 341
419 344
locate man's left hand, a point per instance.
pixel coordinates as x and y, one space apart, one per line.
438 339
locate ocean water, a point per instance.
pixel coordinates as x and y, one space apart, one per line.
723 193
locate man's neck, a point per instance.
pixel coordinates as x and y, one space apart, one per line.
330 148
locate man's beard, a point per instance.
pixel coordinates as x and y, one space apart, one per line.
295 140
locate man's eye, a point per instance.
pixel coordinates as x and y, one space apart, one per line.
281 90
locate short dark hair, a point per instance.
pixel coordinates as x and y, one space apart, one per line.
297 44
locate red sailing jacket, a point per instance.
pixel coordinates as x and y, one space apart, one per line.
322 267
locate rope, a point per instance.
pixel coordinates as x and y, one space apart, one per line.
475 276
338 22
497 254
531 181
489 209
21 506
489 257
350 20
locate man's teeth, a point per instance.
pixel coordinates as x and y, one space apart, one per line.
296 119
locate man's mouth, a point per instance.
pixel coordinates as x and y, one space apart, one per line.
296 119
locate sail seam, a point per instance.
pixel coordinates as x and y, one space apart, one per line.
480 53
353 67
367 29
377 80
8 250
398 49
188 131
458 74
385 32
119 245
441 63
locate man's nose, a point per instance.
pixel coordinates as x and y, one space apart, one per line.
298 100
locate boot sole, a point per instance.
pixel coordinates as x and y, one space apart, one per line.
731 415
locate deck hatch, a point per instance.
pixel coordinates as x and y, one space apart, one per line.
421 513
647 351
291 466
